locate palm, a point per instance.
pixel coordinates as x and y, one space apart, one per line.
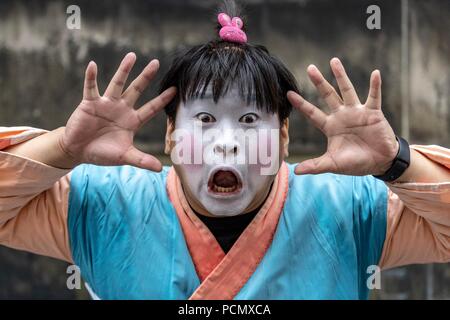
101 130
360 140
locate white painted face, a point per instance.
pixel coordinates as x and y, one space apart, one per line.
226 153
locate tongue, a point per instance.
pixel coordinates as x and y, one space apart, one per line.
225 179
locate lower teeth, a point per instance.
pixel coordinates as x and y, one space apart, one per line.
223 189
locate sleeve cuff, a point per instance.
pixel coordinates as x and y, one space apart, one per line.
21 175
436 154
10 136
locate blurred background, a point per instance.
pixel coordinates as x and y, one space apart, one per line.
42 64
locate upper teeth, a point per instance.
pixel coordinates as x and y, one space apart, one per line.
223 189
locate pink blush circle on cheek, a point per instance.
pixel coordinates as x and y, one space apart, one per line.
190 152
196 152
266 152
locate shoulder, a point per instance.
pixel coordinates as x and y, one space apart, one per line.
341 209
113 211
345 196
126 178
127 189
316 185
336 183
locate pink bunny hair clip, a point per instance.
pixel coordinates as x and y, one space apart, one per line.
231 29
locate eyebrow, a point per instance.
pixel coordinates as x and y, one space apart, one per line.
209 96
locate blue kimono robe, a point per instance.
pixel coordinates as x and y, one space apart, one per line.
127 239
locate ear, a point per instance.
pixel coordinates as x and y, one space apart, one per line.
170 127
284 137
237 22
224 19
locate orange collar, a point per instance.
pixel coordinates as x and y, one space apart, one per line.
223 275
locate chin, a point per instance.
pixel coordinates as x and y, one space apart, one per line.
224 208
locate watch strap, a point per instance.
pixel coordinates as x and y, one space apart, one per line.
400 163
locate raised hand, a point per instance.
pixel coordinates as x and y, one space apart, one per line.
360 140
102 128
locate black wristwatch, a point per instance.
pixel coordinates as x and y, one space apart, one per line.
400 163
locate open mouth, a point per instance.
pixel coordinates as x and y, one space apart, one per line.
224 182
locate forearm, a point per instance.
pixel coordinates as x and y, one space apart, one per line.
45 148
424 170
33 195
23 171
425 187
418 228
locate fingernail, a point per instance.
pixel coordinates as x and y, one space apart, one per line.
312 69
155 62
169 92
291 94
335 61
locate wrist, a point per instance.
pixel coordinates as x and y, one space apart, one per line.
400 163
65 158
46 149
394 153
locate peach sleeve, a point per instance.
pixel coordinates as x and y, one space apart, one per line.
418 221
33 200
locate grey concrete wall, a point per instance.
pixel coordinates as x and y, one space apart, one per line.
42 66
42 62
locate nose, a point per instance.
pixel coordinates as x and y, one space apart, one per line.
226 149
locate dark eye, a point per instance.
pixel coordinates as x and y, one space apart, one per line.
205 117
249 118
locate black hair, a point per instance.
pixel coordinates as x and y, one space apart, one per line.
224 65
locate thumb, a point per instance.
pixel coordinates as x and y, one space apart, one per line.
318 165
137 158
